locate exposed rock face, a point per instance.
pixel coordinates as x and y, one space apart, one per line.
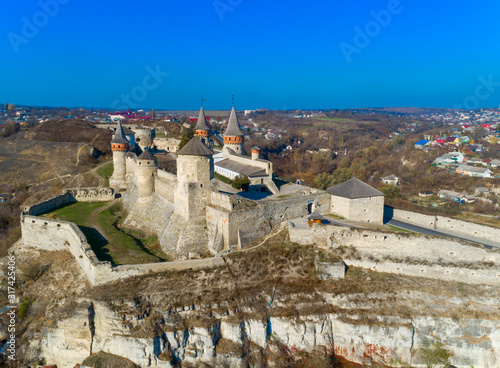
473 341
249 310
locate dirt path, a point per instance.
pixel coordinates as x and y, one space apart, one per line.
96 175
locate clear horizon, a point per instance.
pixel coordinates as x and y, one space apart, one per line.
279 56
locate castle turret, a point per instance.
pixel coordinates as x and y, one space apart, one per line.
255 153
195 169
201 129
233 136
119 146
146 172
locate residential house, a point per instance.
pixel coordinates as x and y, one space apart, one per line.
452 141
391 179
449 158
422 143
495 163
479 172
482 192
449 194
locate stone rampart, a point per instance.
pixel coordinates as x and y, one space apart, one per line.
57 235
403 253
446 224
167 144
49 205
165 185
92 194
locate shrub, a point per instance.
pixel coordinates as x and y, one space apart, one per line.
241 182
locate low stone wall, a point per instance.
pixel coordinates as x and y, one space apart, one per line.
49 205
445 223
92 194
403 253
57 235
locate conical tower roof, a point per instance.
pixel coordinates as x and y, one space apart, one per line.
146 155
119 137
233 127
202 122
195 147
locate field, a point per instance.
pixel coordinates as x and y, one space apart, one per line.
100 222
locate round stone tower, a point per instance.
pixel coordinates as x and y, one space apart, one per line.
119 146
255 153
146 172
201 130
233 136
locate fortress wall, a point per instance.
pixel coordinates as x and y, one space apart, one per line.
57 235
245 226
131 164
448 224
221 200
218 228
131 195
167 144
54 235
413 255
92 194
49 204
368 209
165 185
457 274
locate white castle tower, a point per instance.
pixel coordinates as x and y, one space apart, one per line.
201 129
146 171
119 146
233 136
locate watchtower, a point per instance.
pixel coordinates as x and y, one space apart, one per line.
195 169
233 136
146 171
119 146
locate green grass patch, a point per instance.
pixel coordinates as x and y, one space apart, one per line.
395 228
337 217
108 239
223 178
105 172
284 196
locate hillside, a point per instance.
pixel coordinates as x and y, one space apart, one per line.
69 130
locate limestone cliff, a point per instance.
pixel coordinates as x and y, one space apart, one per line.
266 306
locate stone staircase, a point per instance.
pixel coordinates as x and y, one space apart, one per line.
272 187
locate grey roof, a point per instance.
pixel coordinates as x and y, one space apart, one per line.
474 169
202 121
195 147
248 170
119 137
255 148
128 131
146 155
316 216
233 127
390 177
354 188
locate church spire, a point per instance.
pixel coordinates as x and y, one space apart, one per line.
201 129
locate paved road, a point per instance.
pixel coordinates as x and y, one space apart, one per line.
423 230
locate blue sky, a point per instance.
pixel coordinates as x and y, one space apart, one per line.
273 54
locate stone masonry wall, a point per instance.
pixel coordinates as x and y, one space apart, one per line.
57 235
92 194
49 204
413 255
448 224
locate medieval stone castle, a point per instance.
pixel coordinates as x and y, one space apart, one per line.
195 216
